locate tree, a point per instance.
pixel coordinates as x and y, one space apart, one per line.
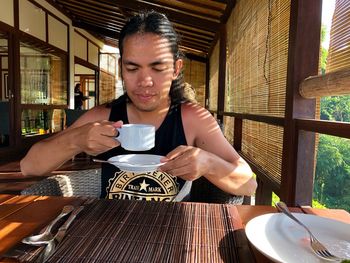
336 108
332 179
324 51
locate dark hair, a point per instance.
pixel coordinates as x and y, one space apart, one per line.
77 87
156 23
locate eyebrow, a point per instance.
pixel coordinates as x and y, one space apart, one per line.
155 63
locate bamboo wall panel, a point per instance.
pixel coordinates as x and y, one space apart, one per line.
339 47
107 87
257 56
194 74
228 128
214 78
263 144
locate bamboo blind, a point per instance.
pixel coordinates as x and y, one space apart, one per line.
107 87
257 54
339 47
214 78
229 126
194 74
263 143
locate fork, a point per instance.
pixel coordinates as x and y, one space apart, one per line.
319 249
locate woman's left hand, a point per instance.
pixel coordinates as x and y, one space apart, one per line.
186 162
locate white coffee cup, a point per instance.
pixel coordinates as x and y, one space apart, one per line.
136 137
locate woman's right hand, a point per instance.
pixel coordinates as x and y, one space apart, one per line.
97 137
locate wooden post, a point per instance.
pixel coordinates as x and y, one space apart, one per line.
303 58
222 73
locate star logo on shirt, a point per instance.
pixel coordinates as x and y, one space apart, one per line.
143 185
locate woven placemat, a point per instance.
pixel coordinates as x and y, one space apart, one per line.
140 231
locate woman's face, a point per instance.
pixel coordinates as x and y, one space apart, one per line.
148 70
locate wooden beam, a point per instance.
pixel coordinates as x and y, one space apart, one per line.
196 57
96 29
227 13
85 63
263 194
61 9
277 121
14 52
172 15
237 134
331 84
222 73
340 129
207 83
303 59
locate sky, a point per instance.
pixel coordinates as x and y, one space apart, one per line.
327 14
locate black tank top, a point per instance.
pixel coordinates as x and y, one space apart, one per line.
155 186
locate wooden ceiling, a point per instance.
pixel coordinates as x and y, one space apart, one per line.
196 21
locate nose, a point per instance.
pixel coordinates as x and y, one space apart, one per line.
145 80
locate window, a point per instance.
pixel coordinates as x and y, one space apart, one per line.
43 89
4 93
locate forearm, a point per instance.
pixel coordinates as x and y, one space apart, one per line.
235 178
47 155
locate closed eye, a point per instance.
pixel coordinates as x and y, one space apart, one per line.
160 67
130 69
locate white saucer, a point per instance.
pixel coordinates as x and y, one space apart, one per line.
137 162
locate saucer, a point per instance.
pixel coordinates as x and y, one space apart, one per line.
137 162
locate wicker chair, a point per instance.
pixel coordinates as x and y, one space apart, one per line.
86 183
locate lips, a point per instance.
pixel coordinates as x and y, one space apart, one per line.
145 97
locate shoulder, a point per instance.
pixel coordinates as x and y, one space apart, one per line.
97 113
196 121
195 112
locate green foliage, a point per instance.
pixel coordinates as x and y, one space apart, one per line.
336 108
332 179
315 203
275 198
324 52
323 33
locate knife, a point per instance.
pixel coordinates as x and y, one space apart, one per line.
53 243
29 249
22 253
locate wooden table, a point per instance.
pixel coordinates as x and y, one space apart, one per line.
22 215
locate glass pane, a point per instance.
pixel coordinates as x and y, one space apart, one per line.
112 64
35 122
43 76
104 62
4 93
91 93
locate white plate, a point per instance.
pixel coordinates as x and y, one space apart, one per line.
137 162
283 240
